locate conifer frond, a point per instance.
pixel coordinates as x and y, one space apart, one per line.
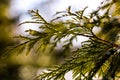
95 56
36 17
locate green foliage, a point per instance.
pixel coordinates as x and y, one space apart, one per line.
97 56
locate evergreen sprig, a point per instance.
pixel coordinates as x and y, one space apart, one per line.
96 56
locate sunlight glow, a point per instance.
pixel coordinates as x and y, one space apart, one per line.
54 6
25 5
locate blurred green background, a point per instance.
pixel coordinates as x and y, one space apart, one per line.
8 70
